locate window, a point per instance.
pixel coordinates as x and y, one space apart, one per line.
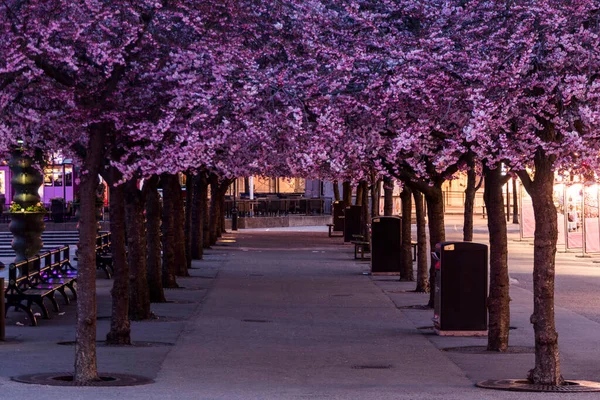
68 176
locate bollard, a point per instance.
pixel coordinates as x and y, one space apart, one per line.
234 219
2 318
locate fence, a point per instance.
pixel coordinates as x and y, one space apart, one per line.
273 207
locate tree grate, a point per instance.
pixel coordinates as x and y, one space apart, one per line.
257 320
134 344
373 366
522 385
415 307
66 379
484 350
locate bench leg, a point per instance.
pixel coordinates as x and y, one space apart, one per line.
27 309
63 293
42 306
72 289
103 267
54 303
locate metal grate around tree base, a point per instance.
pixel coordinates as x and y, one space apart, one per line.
523 385
484 350
373 366
133 344
263 321
66 379
415 307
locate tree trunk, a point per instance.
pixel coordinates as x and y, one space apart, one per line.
168 233
139 295
388 196
507 204
547 361
469 204
437 233
200 191
498 300
422 281
154 248
189 201
206 218
179 243
214 209
375 198
359 194
347 193
336 191
515 201
223 187
120 327
86 367
406 271
364 202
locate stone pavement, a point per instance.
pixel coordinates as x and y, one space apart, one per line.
288 314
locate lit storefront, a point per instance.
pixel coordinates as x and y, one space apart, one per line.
60 181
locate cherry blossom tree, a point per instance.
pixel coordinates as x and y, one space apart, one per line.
535 92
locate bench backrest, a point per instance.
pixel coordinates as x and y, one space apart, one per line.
26 273
103 242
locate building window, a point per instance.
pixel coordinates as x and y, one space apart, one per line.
68 176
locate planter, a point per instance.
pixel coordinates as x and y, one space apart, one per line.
27 229
26 226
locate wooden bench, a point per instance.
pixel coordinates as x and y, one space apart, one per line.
361 247
331 231
103 254
29 282
59 272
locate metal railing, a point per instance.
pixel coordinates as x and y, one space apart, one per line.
274 207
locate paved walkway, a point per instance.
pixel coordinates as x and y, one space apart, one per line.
288 314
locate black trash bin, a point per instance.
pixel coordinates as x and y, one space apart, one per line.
338 216
386 245
57 208
461 289
352 219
